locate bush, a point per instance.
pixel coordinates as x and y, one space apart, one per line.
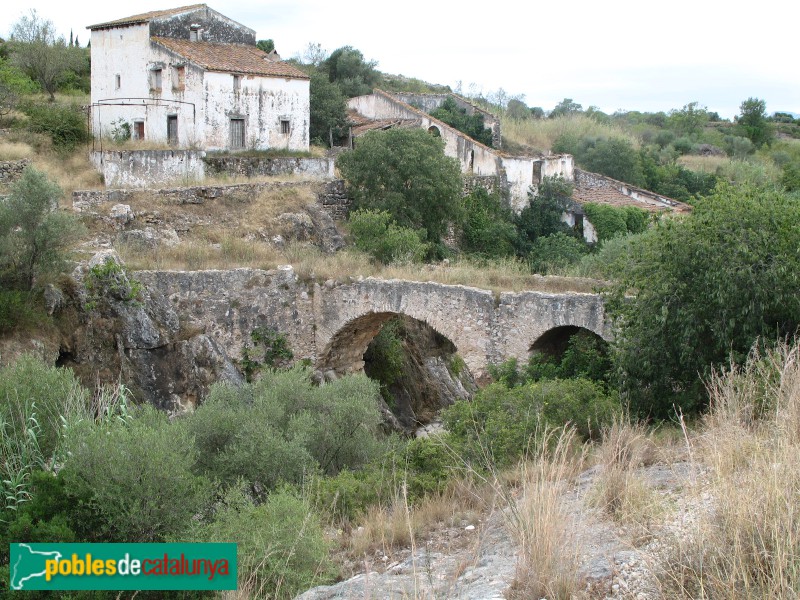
542 216
34 234
65 125
34 399
133 480
555 252
611 221
20 310
505 423
376 233
707 287
282 427
455 116
282 549
488 229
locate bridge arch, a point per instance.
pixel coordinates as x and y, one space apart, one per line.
345 351
554 341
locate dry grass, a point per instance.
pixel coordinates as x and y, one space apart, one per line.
538 135
225 250
544 529
399 525
747 543
15 150
619 490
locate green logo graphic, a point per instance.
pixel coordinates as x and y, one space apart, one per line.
123 567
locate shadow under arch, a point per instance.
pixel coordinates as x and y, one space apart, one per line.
554 342
431 377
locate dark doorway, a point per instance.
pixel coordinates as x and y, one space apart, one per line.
172 130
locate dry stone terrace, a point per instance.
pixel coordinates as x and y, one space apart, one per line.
331 323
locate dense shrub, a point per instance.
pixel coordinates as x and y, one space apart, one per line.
134 480
488 229
505 422
555 252
611 221
542 216
282 427
706 288
281 547
457 117
65 125
376 233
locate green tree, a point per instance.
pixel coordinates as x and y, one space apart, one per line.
34 234
698 292
44 57
688 120
405 172
488 228
542 216
328 109
517 109
753 122
613 157
564 108
266 45
456 116
347 67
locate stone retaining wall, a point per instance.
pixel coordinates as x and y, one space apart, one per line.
11 170
254 166
330 195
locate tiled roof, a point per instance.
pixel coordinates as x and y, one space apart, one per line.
230 58
147 17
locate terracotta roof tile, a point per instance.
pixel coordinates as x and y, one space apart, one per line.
147 17
230 58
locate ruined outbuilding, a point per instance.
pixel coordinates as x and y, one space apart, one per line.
192 77
516 174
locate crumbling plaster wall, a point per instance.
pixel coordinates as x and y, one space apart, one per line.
214 26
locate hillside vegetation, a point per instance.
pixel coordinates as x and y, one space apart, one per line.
702 375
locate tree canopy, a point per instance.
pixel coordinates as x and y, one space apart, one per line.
753 122
347 67
40 54
34 234
699 292
405 172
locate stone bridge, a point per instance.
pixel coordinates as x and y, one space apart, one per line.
332 323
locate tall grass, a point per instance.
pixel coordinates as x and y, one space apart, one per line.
746 544
542 525
538 135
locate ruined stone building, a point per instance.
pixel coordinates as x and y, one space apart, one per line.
515 175
194 78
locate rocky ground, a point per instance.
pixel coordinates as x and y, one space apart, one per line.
477 561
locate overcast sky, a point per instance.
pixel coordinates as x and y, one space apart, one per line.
620 54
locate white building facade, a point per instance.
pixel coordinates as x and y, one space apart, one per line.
193 78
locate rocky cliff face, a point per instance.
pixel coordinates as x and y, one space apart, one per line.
116 329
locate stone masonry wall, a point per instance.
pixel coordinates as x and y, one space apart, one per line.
330 195
332 323
11 170
256 166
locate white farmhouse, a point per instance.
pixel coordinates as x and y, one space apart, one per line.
194 78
